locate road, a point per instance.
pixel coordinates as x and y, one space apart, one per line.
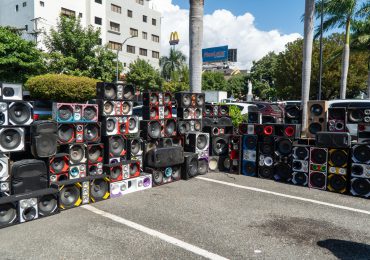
216 216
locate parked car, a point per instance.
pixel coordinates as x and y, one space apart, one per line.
244 107
271 112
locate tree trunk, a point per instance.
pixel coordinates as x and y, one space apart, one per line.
345 63
368 83
307 59
196 40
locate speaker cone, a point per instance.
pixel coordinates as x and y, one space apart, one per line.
108 107
361 186
213 164
65 112
186 100
170 127
197 113
134 169
19 113
167 111
267 148
314 128
116 146
300 178
202 166
94 153
293 112
301 153
132 123
202 141
91 132
157 177
266 172
208 110
193 167
200 100
69 195
297 165
362 153
66 133
176 172
356 115
197 126
135 146
115 172
220 146
153 98
154 113
154 129
110 125
110 91
99 188
318 156
93 170
90 113
316 109
224 110
338 158
47 204
10 139
357 170
250 142
284 146
317 179
8 92
337 182
167 98
250 168
76 153
58 164
8 213
128 92
184 127
29 213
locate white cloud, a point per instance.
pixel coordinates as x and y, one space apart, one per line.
222 28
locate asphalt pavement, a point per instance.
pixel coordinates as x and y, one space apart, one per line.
236 217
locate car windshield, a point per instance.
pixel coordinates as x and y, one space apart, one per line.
276 108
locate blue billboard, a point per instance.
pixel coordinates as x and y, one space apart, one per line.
215 54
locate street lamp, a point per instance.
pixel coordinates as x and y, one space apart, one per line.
133 36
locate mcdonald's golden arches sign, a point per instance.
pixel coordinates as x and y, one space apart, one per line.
174 38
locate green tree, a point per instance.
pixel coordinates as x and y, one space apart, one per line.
171 63
263 77
237 86
213 81
79 49
144 76
341 14
19 59
288 70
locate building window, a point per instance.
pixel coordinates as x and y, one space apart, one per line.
145 18
98 20
98 1
116 8
143 52
130 49
134 32
140 2
155 38
24 4
42 4
145 35
115 46
100 41
80 15
115 27
67 12
155 54
129 13
16 8
154 22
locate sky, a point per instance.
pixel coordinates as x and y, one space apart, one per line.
254 27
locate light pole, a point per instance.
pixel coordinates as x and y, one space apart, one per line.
133 36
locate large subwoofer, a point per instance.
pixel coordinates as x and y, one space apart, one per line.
44 138
12 139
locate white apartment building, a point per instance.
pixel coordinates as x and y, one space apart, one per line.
117 19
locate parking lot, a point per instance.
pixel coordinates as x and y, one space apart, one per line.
216 216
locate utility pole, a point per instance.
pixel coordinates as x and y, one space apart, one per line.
35 33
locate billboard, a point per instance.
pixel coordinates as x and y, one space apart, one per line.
215 54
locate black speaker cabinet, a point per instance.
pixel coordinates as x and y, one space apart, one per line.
333 139
186 99
189 168
293 114
219 145
114 147
44 138
356 115
337 119
164 157
189 126
254 117
166 175
28 175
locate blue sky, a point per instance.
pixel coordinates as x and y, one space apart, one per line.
283 15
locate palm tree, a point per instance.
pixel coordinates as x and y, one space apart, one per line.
361 42
307 58
196 40
174 62
341 14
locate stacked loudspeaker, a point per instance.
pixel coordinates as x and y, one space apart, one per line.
163 153
123 147
190 108
218 124
24 192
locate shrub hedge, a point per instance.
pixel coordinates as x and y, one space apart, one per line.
61 88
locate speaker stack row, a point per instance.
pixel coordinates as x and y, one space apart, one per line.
24 191
163 153
218 124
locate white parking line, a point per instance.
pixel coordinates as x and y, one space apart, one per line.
154 233
286 196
